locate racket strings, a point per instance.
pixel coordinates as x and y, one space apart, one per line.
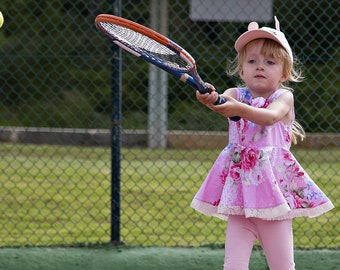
140 42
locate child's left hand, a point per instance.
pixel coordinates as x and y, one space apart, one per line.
228 109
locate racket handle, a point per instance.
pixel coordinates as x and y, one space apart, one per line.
203 88
221 100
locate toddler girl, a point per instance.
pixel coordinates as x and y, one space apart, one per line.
256 183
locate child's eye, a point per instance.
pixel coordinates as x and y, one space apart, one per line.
270 62
251 61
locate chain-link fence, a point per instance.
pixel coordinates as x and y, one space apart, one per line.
58 170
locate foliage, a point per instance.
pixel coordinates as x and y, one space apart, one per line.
56 67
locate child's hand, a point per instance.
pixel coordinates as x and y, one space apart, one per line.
227 109
208 98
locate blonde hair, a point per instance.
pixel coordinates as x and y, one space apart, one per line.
271 48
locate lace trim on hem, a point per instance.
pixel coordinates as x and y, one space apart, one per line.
207 209
308 212
277 213
268 213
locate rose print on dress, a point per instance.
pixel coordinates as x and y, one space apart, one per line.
246 163
301 192
249 157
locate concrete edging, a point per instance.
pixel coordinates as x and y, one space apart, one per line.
139 138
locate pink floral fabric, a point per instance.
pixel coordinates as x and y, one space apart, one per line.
257 176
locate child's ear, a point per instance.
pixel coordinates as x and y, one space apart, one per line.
284 78
240 72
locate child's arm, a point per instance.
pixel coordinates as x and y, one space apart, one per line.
280 109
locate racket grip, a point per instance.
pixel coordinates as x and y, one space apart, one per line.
221 100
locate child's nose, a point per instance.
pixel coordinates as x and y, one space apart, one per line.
260 66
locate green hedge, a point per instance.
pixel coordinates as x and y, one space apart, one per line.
56 66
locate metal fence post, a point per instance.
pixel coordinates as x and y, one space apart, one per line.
116 97
158 83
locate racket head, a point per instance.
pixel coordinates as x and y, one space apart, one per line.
146 43
153 47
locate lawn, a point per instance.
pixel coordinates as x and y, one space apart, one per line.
150 258
57 195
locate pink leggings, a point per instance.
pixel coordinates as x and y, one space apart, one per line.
275 236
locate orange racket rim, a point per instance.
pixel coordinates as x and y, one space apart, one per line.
107 18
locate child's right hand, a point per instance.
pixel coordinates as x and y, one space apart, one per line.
207 98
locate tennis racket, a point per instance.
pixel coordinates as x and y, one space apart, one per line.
155 49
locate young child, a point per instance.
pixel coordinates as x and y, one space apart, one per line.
256 183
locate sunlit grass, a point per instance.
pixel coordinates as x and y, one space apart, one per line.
61 195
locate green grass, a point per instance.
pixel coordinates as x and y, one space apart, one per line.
55 195
151 258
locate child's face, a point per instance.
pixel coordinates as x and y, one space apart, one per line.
262 74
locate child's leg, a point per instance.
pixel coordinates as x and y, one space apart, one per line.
276 238
239 243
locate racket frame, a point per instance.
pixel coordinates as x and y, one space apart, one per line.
194 81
